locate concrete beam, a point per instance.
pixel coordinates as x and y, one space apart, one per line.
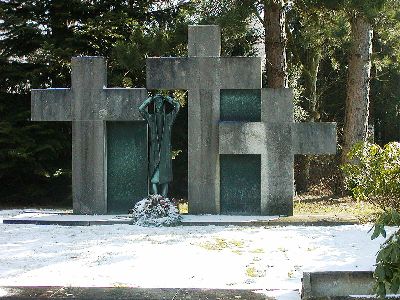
324 285
51 105
204 40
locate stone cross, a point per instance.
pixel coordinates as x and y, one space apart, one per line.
277 138
100 148
204 74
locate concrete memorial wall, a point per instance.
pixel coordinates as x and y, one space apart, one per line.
109 137
241 138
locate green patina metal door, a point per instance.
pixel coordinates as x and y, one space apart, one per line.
126 165
240 175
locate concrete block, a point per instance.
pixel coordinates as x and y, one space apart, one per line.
240 73
122 104
203 72
203 166
204 40
317 285
277 171
88 167
242 138
277 105
88 77
168 73
51 105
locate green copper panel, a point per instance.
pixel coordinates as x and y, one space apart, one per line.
240 105
240 184
126 165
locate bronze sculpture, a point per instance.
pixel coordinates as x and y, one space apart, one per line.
160 125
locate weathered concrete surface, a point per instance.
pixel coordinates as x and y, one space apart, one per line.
67 219
277 172
88 77
319 285
277 138
88 104
103 293
88 167
51 105
121 104
204 40
277 105
203 74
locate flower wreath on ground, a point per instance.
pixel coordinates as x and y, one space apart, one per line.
155 210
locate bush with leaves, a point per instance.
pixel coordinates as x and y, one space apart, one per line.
155 210
373 174
387 271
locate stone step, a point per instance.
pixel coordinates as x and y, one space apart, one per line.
339 285
103 293
38 217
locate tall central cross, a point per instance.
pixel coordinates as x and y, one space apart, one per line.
204 74
106 144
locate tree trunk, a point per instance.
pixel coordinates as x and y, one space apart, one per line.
358 79
311 68
275 44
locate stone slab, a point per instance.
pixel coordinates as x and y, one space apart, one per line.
88 78
69 219
121 104
204 40
43 218
317 285
242 137
277 105
127 163
135 293
203 158
277 169
240 105
51 105
66 217
88 167
203 72
240 177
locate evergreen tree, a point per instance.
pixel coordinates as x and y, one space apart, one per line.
38 39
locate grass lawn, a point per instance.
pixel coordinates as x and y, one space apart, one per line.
344 207
314 208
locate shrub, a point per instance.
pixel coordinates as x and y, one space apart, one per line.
373 174
387 271
155 210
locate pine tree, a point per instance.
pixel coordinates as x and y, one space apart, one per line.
38 39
